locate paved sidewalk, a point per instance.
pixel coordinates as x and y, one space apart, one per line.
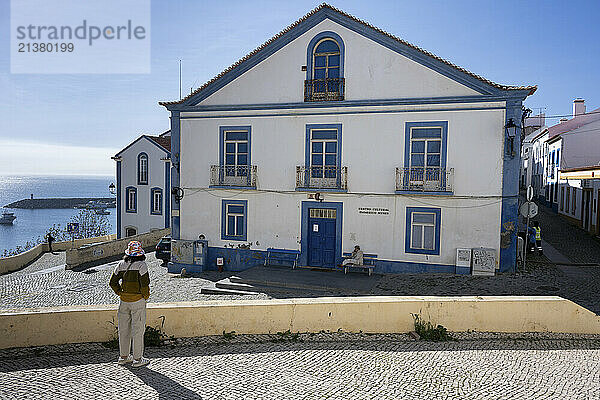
326 366
46 283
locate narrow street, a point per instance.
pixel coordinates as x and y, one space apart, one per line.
572 242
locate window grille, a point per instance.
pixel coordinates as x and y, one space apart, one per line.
329 213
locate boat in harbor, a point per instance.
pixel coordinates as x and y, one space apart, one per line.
102 211
7 218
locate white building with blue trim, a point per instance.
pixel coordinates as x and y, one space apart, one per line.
334 134
143 185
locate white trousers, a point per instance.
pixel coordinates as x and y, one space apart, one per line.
353 261
132 325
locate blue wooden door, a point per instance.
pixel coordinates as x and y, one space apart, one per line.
321 241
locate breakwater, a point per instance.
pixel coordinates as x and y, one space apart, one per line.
56 203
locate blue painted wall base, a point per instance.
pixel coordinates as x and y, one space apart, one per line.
243 259
463 270
175 268
407 267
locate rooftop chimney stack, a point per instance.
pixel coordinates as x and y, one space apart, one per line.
578 107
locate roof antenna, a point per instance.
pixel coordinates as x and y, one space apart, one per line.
180 80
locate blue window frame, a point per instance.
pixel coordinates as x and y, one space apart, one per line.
423 226
156 201
234 219
131 199
425 148
142 169
323 152
234 152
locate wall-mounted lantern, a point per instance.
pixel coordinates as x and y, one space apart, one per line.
511 133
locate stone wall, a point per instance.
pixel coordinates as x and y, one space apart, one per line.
100 253
370 314
14 263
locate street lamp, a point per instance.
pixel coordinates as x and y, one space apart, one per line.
112 189
511 133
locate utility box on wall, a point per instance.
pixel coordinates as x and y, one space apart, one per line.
188 254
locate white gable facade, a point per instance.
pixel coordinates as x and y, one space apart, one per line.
143 187
335 134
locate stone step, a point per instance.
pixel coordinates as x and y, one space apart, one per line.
216 290
257 284
229 285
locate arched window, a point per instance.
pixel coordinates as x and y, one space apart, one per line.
325 68
326 60
142 169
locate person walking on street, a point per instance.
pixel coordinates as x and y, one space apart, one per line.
535 238
531 239
49 239
131 282
538 236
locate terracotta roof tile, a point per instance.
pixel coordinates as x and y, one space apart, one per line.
531 89
162 141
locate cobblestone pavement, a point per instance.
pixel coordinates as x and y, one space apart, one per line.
578 284
573 242
323 366
46 283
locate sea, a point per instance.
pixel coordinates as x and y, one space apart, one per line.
33 224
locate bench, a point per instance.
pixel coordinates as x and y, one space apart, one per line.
282 255
368 263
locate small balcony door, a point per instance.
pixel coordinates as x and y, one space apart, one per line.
323 158
236 158
425 157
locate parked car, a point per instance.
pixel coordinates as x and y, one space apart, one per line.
163 249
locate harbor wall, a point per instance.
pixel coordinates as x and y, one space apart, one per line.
14 263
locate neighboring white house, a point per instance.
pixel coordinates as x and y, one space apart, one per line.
335 133
570 145
143 185
537 162
579 173
532 127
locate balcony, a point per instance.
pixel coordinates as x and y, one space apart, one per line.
329 89
433 180
243 176
319 178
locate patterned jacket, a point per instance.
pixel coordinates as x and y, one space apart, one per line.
131 281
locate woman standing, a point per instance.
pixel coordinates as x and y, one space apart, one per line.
131 282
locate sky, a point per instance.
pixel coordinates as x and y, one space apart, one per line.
73 123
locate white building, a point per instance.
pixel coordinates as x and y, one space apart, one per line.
334 133
532 127
143 185
578 177
568 146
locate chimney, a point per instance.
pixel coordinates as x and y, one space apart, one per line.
578 107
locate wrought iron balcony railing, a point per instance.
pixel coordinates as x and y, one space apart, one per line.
330 89
319 177
233 175
425 179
